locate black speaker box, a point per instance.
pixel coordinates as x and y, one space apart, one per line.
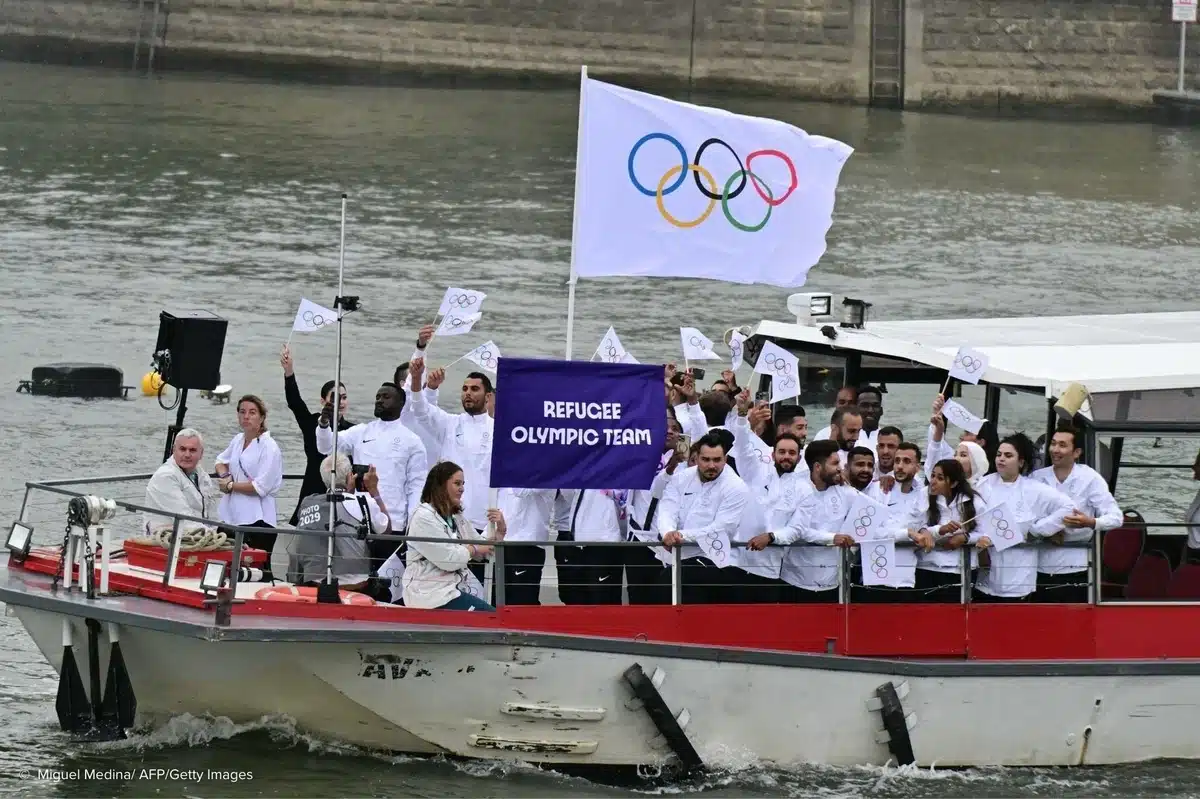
196 342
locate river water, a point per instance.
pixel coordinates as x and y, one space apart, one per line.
122 196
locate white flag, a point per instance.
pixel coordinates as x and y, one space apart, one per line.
461 302
969 365
486 356
866 519
629 359
715 546
1000 525
879 562
737 348
454 324
313 317
671 189
959 416
783 368
611 350
696 345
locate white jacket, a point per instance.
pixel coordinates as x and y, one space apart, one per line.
171 490
437 572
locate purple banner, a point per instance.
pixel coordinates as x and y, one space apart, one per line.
577 424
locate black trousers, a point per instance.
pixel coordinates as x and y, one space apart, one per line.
571 572
938 586
258 540
1071 587
877 594
523 564
986 599
758 590
602 571
644 575
793 595
704 584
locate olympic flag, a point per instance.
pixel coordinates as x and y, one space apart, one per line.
783 369
312 317
670 189
485 356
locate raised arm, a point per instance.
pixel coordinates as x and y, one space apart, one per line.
428 414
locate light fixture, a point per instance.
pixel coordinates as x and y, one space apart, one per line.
854 312
214 576
810 306
1074 399
20 538
744 330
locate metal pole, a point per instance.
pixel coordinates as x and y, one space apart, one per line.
137 43
677 575
1182 52
153 36
337 382
498 573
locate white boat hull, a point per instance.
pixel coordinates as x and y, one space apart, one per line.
564 702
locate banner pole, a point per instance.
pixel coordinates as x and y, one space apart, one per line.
575 216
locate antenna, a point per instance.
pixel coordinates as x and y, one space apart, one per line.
328 590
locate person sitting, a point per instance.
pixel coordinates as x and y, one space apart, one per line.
181 486
437 574
307 554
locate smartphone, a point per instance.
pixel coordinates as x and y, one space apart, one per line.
683 447
762 396
359 471
697 373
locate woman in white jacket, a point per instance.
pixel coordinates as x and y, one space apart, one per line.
437 574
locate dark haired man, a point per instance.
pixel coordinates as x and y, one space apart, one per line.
313 482
463 438
706 501
1063 570
908 503
813 570
396 453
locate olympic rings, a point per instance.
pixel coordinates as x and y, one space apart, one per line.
862 525
610 352
457 321
676 175
1001 525
879 561
778 363
315 319
735 348
463 300
968 363
696 341
662 208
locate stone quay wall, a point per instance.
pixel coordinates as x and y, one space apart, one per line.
941 54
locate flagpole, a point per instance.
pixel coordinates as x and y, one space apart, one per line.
575 215
334 399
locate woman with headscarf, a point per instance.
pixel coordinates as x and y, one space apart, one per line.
973 459
937 449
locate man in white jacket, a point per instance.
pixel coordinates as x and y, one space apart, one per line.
1063 570
701 511
181 486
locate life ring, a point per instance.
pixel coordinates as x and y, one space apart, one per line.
307 595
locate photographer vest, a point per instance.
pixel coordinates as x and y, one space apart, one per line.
307 553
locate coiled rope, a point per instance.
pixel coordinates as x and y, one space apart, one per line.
202 540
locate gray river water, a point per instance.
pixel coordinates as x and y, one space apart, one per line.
122 196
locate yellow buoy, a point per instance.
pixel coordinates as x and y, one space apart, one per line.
151 383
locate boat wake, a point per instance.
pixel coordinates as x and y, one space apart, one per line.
732 772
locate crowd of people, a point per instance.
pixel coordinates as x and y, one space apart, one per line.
731 467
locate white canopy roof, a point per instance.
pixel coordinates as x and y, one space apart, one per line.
1114 352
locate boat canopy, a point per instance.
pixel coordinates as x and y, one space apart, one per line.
1140 369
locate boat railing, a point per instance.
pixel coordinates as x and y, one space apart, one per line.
847 560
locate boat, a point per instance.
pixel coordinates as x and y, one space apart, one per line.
677 687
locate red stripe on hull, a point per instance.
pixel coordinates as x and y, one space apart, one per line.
977 632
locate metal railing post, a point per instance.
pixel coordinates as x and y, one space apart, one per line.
843 576
498 573
1095 571
172 555
964 568
677 575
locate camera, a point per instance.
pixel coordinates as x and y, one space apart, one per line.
683 447
762 396
697 373
359 471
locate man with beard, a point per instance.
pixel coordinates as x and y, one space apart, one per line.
812 571
887 442
847 424
705 501
396 453
463 438
846 397
870 403
860 468
908 504
777 492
